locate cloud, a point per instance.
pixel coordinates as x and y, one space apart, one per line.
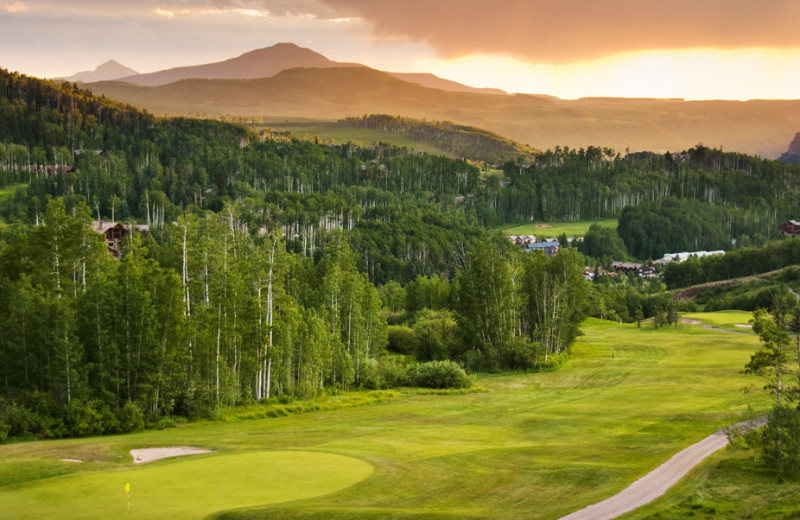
14 8
566 31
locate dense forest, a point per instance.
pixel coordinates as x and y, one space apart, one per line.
280 268
254 277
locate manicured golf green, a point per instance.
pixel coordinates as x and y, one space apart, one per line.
575 228
184 488
730 320
532 446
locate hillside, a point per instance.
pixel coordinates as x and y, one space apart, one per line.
459 140
757 127
438 137
432 81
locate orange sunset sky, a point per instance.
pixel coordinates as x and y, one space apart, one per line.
699 49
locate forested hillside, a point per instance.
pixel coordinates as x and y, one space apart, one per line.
458 140
264 265
254 276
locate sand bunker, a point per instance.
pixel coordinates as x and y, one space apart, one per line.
744 325
70 460
149 454
542 226
690 321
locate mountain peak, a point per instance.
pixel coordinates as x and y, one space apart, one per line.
108 71
258 63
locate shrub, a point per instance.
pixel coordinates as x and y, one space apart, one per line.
401 339
83 419
131 418
442 374
390 371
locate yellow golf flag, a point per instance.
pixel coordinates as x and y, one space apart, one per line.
127 487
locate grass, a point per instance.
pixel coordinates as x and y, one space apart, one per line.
340 134
5 193
188 488
727 320
575 228
531 446
730 485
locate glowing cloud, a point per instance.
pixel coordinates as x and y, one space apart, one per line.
163 12
14 8
690 74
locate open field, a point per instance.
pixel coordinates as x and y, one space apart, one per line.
533 446
576 228
6 192
727 320
339 134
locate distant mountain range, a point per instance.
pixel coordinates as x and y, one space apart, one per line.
286 82
260 63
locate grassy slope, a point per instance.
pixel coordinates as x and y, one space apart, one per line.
534 446
572 229
6 192
338 133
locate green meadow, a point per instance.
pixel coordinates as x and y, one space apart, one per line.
575 228
530 446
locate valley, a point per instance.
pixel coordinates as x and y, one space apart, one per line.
266 284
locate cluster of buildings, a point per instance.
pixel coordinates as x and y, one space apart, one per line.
528 243
682 257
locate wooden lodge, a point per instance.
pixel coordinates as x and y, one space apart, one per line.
789 228
114 232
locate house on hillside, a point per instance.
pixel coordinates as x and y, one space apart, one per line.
789 228
114 232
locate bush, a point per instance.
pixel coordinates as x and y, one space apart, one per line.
442 374
131 418
390 371
401 339
83 419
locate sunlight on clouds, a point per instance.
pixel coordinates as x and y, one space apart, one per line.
163 12
691 74
14 8
252 12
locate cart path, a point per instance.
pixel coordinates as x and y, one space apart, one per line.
658 481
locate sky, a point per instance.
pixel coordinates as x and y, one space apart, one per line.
692 49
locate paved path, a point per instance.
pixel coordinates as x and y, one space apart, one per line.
658 481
